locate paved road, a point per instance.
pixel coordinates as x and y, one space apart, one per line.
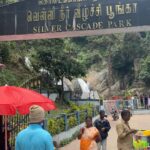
137 122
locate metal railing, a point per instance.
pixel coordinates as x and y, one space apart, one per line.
14 125
119 105
67 121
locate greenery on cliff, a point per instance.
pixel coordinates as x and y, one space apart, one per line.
73 57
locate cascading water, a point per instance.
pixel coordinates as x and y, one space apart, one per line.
83 85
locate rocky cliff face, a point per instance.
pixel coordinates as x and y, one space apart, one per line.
99 81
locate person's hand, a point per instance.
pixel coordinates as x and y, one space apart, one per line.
55 144
98 139
82 130
133 131
103 129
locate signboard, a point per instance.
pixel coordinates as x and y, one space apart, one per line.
35 19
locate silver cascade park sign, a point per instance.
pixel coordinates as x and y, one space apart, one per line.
38 19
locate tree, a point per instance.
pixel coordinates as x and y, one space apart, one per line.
123 58
4 52
4 2
55 57
145 71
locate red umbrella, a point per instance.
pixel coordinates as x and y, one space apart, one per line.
15 99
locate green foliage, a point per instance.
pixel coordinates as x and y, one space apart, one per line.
65 141
145 71
4 52
73 107
12 55
55 57
72 121
53 126
13 76
93 50
7 77
146 43
88 108
82 117
57 60
56 126
73 57
4 2
123 58
61 124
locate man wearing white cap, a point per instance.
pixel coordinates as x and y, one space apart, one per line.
34 137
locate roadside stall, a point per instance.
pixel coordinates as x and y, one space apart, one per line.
142 140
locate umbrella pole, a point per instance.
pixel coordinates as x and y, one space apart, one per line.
1 131
5 132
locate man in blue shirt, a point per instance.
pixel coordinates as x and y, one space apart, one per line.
34 137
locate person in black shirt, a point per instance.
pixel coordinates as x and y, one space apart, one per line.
146 101
103 126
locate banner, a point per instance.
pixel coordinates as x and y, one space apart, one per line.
67 18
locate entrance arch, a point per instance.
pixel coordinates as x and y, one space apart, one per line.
40 19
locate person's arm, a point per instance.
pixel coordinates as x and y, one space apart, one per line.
81 132
122 133
98 138
49 142
107 127
96 122
132 131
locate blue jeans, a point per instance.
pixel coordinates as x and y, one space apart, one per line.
102 145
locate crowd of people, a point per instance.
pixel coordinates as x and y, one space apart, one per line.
34 137
89 134
92 137
95 137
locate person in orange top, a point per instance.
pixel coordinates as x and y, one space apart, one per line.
88 136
